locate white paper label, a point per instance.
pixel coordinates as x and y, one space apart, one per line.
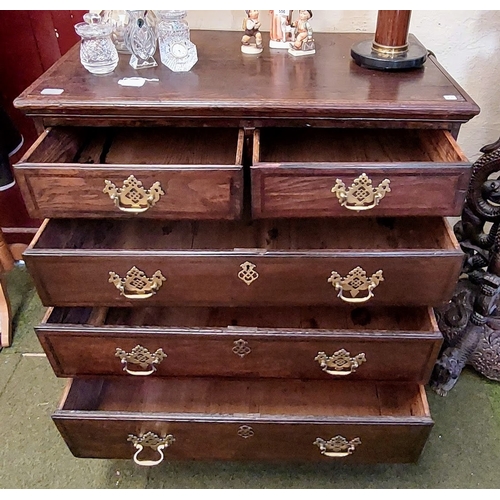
135 81
52 91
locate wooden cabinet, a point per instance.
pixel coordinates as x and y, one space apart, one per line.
231 268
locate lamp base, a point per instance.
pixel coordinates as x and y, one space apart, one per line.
364 55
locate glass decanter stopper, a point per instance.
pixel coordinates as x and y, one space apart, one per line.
98 54
141 40
177 52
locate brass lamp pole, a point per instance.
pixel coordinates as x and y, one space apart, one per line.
390 49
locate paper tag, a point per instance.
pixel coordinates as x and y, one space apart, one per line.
52 91
135 81
450 97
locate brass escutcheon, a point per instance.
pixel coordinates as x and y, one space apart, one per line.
139 355
132 197
136 285
241 348
248 274
340 362
355 282
153 441
361 195
245 431
337 446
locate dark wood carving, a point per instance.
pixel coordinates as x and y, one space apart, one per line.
470 323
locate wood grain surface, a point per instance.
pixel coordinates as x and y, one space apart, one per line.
399 343
226 86
71 260
205 415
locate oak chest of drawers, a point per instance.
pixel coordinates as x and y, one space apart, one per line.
246 254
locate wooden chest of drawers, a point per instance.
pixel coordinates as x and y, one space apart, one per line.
229 268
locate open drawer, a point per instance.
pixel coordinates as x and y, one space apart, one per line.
286 262
388 343
236 419
357 172
167 173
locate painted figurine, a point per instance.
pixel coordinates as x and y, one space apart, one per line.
303 43
251 26
280 32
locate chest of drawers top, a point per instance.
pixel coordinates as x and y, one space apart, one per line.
228 88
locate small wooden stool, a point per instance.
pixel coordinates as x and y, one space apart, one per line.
6 264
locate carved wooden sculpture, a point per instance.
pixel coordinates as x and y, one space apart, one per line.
470 322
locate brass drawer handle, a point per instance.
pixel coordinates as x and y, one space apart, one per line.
355 282
361 195
136 285
340 363
153 441
337 447
132 197
139 355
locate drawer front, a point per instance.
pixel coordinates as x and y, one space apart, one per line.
152 173
406 261
238 419
162 192
337 173
390 352
311 191
244 439
217 280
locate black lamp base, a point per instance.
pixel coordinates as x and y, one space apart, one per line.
364 55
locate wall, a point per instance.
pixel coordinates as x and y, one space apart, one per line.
466 43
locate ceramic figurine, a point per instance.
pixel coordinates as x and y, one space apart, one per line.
303 43
251 26
281 30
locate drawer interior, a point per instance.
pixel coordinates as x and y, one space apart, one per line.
261 398
303 319
281 235
356 145
140 145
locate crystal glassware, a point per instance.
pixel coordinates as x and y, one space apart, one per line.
177 52
98 53
141 40
119 19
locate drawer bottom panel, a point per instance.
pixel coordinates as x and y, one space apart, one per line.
236 419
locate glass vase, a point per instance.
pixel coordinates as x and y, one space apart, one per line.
140 39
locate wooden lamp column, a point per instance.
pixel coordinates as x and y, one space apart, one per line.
391 49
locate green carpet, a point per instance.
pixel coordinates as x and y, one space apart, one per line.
463 450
